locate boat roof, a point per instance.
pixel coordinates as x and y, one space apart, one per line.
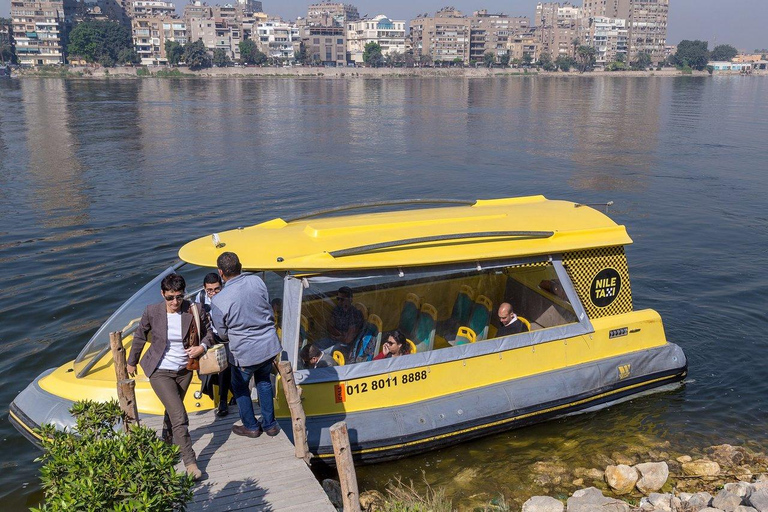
465 231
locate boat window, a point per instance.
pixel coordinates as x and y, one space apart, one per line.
347 319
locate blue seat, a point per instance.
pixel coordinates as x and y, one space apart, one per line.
409 314
424 333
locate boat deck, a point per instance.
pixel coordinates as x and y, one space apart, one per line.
241 473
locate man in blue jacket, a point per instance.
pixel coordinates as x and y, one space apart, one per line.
242 316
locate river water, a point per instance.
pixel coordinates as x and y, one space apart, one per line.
102 181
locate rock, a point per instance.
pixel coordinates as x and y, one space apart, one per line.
743 473
677 504
701 467
591 499
727 455
464 477
684 458
661 501
759 500
578 482
548 473
653 476
372 500
726 501
621 479
333 489
742 489
622 459
595 474
710 509
743 508
543 504
699 500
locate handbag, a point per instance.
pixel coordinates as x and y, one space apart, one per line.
215 359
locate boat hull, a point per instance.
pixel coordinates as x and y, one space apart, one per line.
395 432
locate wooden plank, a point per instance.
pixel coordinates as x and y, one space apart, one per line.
248 474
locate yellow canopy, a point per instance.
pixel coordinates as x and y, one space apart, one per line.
344 242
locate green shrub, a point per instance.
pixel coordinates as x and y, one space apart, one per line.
143 71
100 468
710 69
171 73
686 70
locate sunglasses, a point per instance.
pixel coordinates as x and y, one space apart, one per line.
170 298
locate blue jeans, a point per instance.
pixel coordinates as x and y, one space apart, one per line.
241 375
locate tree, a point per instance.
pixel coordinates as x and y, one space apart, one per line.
564 63
6 51
173 52
425 60
693 54
301 55
100 41
409 60
372 54
458 61
250 53
585 58
489 58
723 52
642 62
220 58
515 63
527 59
504 60
128 56
100 468
545 62
196 55
394 58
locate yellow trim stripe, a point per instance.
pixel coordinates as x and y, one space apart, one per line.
501 422
18 420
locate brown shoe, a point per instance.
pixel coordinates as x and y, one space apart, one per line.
272 432
242 431
193 471
167 436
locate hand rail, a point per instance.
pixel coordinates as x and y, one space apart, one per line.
359 206
101 353
353 251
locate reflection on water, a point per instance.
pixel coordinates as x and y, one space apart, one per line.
102 181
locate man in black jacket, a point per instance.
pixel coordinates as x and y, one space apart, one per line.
510 324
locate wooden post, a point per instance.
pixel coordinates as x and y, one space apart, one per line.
346 468
298 418
126 387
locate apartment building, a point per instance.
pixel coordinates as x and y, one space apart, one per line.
389 34
217 33
278 39
331 14
250 6
197 9
558 27
646 23
608 36
326 45
443 37
492 32
5 35
40 30
152 9
150 35
524 47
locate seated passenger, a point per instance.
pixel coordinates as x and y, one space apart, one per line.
394 345
344 325
277 310
313 357
510 324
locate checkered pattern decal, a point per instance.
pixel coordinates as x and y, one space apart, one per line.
583 266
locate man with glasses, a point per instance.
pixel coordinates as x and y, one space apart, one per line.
344 323
243 316
212 285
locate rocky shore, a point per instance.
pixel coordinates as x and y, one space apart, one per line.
725 479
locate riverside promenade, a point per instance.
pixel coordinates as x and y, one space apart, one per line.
240 473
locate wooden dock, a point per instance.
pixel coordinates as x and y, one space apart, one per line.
240 473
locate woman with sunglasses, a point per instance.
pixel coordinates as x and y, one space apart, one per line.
173 354
394 345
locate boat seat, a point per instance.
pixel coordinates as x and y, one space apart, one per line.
338 357
465 335
409 313
462 308
525 322
304 331
412 345
481 317
362 309
376 321
364 348
424 333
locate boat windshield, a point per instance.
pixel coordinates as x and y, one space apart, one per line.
348 318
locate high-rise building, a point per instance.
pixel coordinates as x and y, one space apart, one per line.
152 9
389 34
150 35
444 37
40 30
646 23
217 33
250 6
557 28
491 33
328 14
608 36
278 39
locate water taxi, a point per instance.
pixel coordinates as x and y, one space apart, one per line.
437 271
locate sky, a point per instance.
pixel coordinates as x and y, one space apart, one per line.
741 23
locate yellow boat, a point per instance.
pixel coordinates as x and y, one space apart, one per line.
437 270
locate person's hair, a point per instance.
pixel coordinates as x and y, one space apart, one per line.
212 278
310 351
400 339
173 283
276 302
345 290
229 264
